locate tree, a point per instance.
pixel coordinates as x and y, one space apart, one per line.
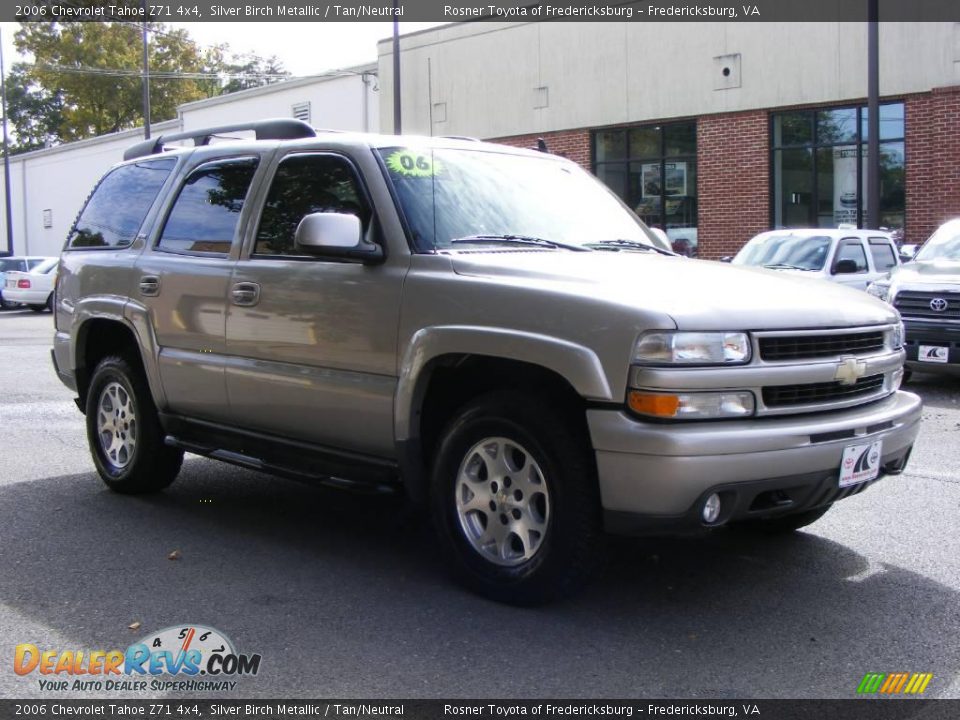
85 78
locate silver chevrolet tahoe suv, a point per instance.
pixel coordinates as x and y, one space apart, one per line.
488 330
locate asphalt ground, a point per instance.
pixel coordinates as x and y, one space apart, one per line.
344 596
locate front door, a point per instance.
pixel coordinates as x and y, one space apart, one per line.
312 342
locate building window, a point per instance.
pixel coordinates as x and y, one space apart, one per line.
653 168
819 163
301 111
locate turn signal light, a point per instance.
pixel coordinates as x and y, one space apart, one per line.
655 404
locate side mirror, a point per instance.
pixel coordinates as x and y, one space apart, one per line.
727 258
845 267
335 235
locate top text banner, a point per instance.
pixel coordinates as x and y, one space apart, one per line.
481 10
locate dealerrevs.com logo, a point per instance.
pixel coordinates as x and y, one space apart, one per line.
178 658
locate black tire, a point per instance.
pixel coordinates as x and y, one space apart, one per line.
38 308
143 464
784 523
555 562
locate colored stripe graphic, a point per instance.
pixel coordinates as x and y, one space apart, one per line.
894 683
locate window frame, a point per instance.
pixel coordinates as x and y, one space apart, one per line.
845 242
885 243
238 231
249 251
661 159
859 143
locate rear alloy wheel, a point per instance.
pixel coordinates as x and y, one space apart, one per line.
124 433
515 499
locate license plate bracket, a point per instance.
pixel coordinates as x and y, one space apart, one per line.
860 463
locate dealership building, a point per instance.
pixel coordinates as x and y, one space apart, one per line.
712 131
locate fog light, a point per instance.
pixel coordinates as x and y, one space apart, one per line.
711 509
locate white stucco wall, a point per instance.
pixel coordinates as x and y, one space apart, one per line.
346 100
60 178
608 73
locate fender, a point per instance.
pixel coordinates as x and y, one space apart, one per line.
131 315
579 365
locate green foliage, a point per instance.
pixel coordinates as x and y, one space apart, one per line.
84 79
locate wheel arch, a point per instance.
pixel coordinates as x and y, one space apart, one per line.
445 367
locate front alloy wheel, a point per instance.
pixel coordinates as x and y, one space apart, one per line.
515 499
503 501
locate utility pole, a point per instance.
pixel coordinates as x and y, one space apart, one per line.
6 154
396 69
146 76
873 115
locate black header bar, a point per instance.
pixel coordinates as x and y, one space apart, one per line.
479 10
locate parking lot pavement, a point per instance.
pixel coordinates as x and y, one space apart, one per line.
343 596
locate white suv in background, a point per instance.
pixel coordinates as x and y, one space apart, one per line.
850 257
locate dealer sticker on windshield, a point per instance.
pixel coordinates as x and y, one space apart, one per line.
860 463
414 164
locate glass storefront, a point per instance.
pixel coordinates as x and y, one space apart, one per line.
819 165
653 168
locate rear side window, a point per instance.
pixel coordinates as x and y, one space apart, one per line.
114 213
852 250
205 215
882 252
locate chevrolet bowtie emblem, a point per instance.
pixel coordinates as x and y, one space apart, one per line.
849 371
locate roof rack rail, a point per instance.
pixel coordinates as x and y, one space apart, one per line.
276 129
460 137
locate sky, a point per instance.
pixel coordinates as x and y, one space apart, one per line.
304 48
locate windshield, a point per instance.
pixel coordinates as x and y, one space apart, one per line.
450 194
944 244
785 251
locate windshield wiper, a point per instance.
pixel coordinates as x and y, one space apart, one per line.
516 240
787 266
631 244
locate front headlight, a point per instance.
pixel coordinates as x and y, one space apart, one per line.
692 348
897 336
691 405
880 289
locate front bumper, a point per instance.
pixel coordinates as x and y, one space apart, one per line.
654 477
921 333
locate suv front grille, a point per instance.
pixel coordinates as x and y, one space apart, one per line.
803 347
915 304
816 393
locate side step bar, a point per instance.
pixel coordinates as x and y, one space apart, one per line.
368 486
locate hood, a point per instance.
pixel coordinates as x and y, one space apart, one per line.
696 294
927 272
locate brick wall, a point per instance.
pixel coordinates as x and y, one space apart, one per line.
933 161
733 181
571 144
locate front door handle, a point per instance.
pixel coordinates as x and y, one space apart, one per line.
245 294
150 285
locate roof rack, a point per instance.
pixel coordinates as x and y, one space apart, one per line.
460 137
276 129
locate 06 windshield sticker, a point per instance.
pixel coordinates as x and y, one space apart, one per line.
410 163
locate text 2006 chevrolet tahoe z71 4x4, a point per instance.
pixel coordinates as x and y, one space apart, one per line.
488 328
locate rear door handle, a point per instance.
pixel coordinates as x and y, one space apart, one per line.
150 285
245 294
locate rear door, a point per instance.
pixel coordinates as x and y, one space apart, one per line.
312 342
183 280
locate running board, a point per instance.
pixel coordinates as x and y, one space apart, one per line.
366 486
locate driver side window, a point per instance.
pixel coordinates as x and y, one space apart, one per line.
306 184
851 250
